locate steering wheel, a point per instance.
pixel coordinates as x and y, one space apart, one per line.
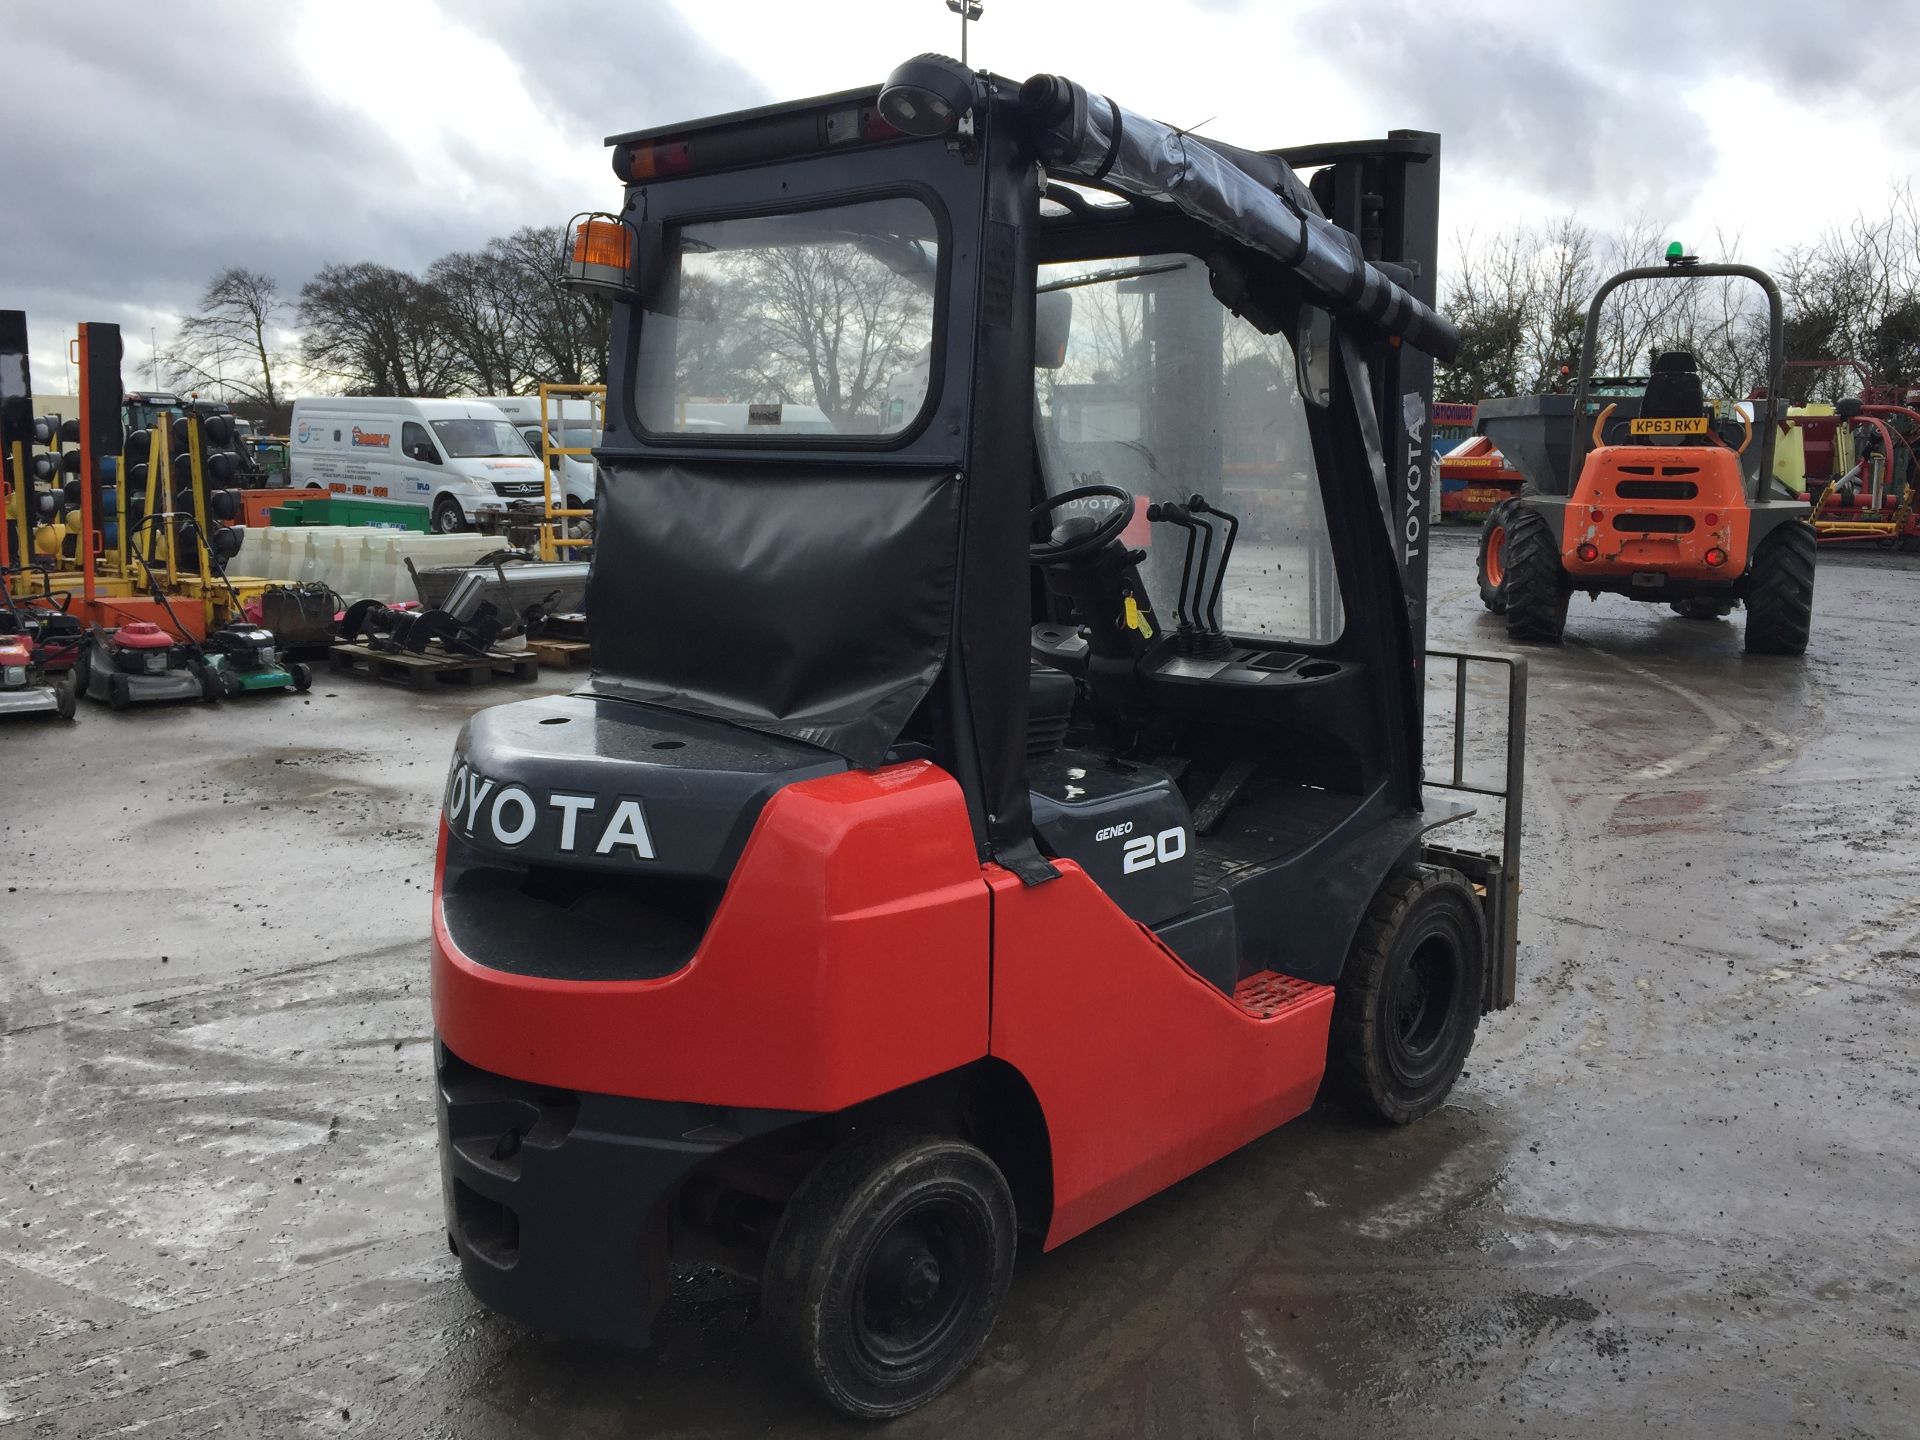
1058 552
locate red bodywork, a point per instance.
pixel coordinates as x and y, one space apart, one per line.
1691 499
862 946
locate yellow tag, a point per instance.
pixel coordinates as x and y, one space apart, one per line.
1682 425
1137 621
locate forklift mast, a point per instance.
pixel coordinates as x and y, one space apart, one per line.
1387 193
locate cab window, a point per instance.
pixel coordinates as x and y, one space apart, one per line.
817 323
1163 391
416 444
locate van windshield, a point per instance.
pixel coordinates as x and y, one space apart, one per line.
477 439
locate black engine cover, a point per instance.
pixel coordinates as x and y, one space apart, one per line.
1126 825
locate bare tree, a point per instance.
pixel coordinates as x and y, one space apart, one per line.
487 313
231 342
378 331
831 325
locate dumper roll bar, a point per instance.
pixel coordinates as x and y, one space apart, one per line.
1685 270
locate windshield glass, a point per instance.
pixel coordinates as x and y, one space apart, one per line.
1161 390
815 323
475 439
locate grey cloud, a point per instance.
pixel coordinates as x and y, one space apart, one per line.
178 148
609 68
1514 100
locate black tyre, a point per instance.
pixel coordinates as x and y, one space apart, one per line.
212 687
65 697
1493 545
448 517
82 670
302 674
1408 1000
1780 591
1701 607
1533 584
887 1270
230 685
119 693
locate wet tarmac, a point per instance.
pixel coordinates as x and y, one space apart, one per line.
1677 1192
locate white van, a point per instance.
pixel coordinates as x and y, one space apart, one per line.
575 421
462 459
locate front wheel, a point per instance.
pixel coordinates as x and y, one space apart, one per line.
1780 591
1493 546
65 697
1408 1000
119 693
887 1270
1533 584
302 674
448 517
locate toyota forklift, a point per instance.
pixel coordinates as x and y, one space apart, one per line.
1657 499
1024 806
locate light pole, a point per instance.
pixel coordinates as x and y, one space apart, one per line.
967 10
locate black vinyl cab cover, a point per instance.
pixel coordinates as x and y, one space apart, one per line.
839 557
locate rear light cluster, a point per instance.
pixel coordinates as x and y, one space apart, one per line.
1588 551
727 147
1715 557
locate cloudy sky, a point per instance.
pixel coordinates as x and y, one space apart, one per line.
143 157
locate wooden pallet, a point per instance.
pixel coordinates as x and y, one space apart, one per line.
402 668
561 654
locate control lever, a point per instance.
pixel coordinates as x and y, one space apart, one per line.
1199 635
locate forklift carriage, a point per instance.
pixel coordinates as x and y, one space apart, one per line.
998 793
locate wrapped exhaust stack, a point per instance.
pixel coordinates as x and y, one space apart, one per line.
1087 137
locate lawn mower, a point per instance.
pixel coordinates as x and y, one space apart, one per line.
1661 508
140 663
246 657
37 648
998 793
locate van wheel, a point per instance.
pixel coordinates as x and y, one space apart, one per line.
448 517
1780 591
1493 545
1533 584
887 1270
1409 997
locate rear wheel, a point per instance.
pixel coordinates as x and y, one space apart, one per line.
1780 591
1408 1001
1701 607
1493 544
119 693
302 674
1533 584
887 1270
65 693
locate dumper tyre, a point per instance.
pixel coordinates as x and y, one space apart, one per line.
1780 591
1533 584
887 1269
1492 566
1408 1000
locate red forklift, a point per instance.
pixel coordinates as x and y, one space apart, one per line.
1001 800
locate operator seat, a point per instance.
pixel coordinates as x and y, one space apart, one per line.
1673 389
